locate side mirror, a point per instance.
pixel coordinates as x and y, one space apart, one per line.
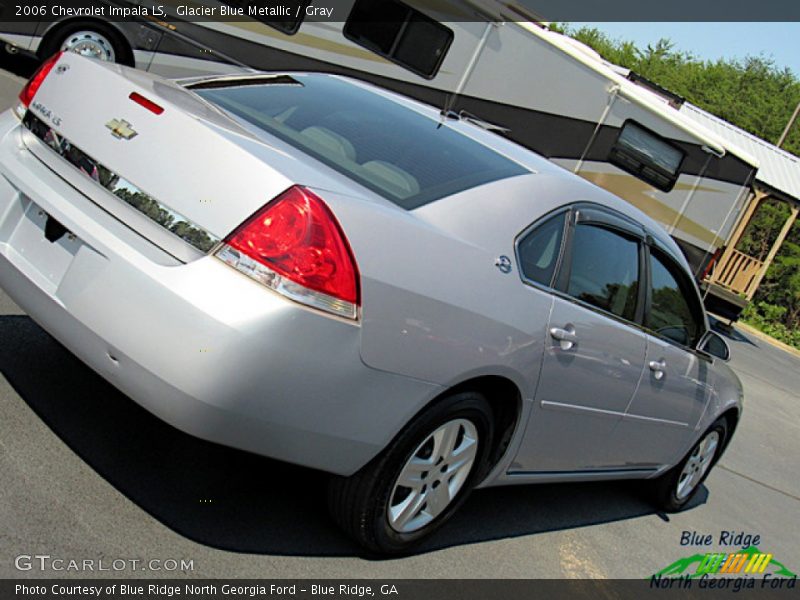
714 344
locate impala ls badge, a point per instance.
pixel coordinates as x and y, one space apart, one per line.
121 129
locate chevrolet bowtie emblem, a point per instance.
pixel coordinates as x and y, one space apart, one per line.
121 129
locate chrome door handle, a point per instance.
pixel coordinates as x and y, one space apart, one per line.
566 336
658 367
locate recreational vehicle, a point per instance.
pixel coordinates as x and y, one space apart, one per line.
490 62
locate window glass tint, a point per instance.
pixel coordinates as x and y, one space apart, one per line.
539 250
403 155
647 155
670 313
605 270
400 33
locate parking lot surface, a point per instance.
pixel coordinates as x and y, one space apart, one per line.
88 475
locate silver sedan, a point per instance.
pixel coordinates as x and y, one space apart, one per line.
313 269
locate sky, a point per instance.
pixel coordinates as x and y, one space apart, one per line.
780 41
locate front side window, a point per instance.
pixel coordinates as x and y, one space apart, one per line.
605 270
671 314
539 250
647 155
400 33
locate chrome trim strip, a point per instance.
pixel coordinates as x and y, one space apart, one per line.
121 188
632 417
547 404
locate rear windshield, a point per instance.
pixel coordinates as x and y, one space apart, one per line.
402 155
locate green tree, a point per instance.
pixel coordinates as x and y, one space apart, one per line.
763 229
752 93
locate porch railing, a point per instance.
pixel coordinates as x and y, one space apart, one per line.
739 273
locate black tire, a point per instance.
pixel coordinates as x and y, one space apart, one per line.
664 490
359 503
55 38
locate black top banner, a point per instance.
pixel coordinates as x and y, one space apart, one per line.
383 11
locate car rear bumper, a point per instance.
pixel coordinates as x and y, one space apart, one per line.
202 347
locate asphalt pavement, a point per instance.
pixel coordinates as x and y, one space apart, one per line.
88 475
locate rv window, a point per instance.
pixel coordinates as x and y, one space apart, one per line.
288 25
647 155
400 33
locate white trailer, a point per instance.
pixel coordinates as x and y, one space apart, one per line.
493 61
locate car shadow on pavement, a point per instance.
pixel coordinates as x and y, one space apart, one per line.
728 331
19 64
240 502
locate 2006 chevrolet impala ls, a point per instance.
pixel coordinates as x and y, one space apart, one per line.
313 269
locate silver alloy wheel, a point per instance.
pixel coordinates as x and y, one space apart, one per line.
90 43
433 476
697 465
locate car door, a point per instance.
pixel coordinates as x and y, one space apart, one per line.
677 383
594 355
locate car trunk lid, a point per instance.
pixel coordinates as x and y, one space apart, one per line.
188 168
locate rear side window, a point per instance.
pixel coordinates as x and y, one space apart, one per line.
539 250
671 313
400 33
605 270
404 155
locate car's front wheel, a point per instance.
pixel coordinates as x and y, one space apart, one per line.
674 489
418 482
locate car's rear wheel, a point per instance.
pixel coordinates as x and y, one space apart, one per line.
673 490
88 38
419 481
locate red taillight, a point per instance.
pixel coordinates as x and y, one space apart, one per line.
148 104
305 252
35 82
